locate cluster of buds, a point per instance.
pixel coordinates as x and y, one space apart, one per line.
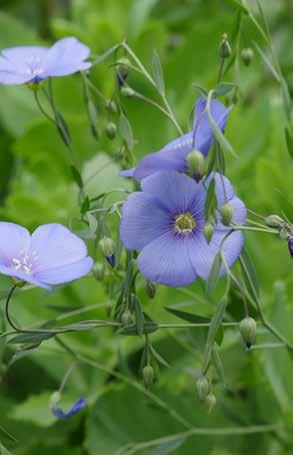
285 229
205 394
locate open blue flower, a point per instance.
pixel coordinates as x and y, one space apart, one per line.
32 64
51 255
173 156
165 222
76 407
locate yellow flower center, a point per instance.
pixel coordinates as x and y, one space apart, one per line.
184 223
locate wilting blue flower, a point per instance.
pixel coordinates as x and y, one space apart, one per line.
165 223
76 407
51 255
32 64
172 157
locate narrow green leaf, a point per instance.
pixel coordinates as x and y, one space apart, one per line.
76 176
148 327
105 55
217 362
211 200
202 91
63 128
214 327
239 6
214 273
93 222
224 143
167 447
85 206
249 273
193 318
126 131
289 142
4 451
268 63
158 73
31 338
93 117
224 88
139 318
158 357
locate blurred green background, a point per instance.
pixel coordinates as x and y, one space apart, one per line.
36 188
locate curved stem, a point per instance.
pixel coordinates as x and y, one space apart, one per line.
8 300
42 110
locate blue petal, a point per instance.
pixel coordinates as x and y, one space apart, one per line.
76 407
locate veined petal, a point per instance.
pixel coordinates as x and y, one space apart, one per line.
167 260
143 220
65 69
21 276
205 253
55 246
66 57
14 239
177 192
65 273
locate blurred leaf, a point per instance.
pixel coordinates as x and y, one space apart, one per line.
214 273
158 73
35 409
138 15
148 327
31 338
167 447
289 142
224 88
126 131
139 319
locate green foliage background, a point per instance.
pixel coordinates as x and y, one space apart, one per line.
36 188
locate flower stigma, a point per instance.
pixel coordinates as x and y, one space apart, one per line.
184 223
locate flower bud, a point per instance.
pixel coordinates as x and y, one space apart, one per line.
150 289
108 308
274 221
128 92
54 398
225 49
111 260
210 402
123 66
107 246
248 330
202 387
290 246
247 55
112 106
148 376
208 231
196 163
111 130
226 214
126 318
99 271
284 235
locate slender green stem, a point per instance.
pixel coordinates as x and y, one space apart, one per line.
252 228
42 110
194 325
152 103
221 70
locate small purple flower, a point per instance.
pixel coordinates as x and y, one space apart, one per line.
290 246
32 64
172 157
51 255
165 223
76 407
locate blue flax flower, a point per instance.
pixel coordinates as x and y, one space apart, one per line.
173 156
165 222
51 255
76 407
32 64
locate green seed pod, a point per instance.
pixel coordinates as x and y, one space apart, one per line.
148 376
150 289
196 163
210 402
208 231
99 271
225 48
112 106
202 387
128 92
111 130
226 214
247 55
274 221
248 330
107 246
126 318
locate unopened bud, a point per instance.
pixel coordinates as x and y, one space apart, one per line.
111 130
247 55
107 246
274 221
112 106
99 271
226 214
210 402
111 260
196 163
123 66
208 231
248 331
128 92
150 289
225 49
148 376
284 235
290 246
202 387
54 398
126 318
109 307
